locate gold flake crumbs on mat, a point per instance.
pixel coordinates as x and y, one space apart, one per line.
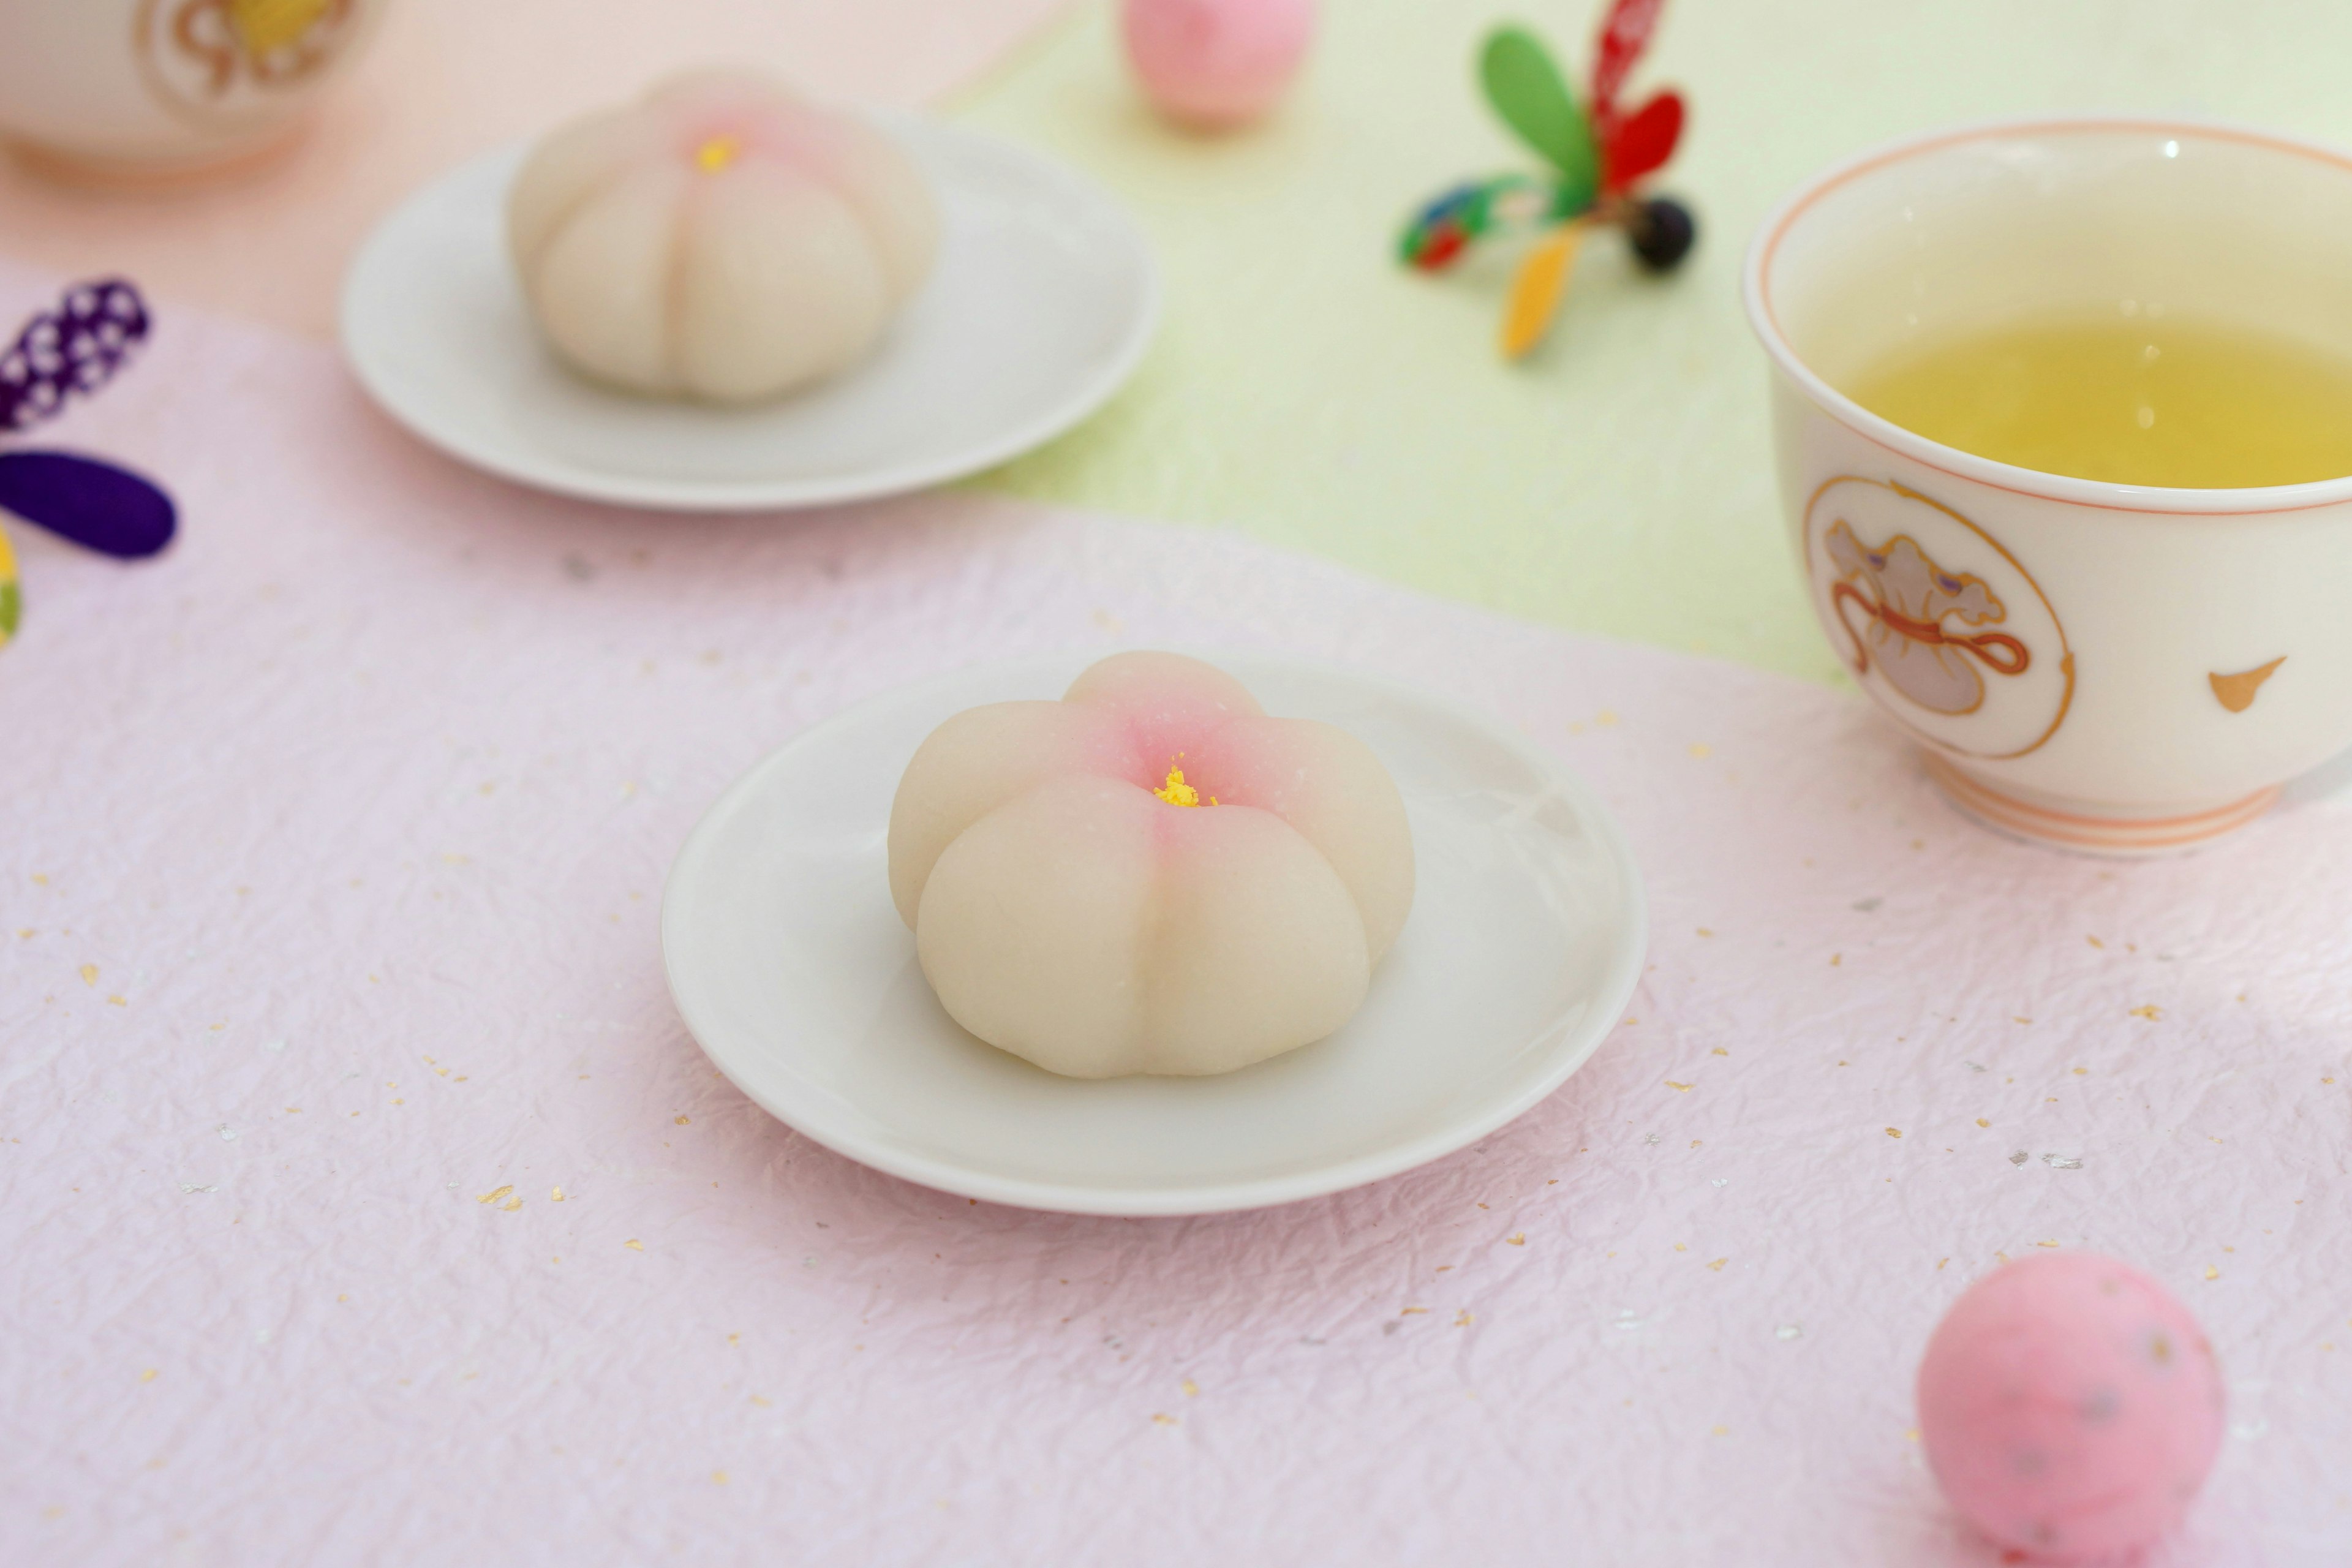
1718 1263
1409 1312
1161 1418
1895 1132
633 1245
1680 1088
678 1120
556 1197
2152 1013
494 1197
1190 1388
1463 1319
1517 1238
718 1477
89 974
2211 1272
511 1205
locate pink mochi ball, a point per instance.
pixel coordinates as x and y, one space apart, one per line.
1216 64
2070 1406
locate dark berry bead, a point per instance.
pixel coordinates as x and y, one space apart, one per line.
1662 231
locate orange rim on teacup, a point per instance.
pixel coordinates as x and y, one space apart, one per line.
2122 668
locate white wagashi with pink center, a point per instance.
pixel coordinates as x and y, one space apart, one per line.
1149 875
721 239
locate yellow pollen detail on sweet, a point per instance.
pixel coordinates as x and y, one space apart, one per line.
1176 792
718 153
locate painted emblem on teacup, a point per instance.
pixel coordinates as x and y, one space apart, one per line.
1940 622
220 62
1905 601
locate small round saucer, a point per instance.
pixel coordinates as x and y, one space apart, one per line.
1042 303
789 965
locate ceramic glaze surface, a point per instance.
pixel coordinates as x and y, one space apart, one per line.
1042 303
2112 667
130 86
796 973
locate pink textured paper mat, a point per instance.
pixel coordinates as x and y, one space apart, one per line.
334 840
445 79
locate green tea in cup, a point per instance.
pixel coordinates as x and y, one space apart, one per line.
2132 394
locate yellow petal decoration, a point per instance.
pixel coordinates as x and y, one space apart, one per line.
1537 291
10 604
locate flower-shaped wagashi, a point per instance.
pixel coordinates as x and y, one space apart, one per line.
721 239
1151 875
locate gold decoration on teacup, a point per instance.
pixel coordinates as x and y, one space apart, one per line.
2237 692
215 61
1905 599
1919 626
266 26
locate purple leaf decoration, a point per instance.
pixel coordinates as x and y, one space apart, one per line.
77 348
96 505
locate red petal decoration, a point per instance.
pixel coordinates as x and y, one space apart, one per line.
1641 142
1623 36
1441 249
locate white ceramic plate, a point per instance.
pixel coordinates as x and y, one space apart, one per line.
1042 303
789 965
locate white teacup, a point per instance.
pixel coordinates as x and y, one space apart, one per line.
2106 667
146 89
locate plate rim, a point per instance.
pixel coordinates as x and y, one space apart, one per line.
453 440
1578 1044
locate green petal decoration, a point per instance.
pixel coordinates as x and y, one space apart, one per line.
1527 89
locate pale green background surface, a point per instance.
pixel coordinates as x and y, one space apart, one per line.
1310 392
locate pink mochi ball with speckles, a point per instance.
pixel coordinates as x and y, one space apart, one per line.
2070 1406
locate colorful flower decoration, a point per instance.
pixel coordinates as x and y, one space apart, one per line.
74 350
1597 155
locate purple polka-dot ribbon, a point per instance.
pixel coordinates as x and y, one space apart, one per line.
75 348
